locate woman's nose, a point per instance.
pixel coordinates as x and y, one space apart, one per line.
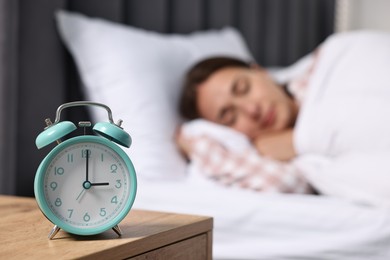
250 109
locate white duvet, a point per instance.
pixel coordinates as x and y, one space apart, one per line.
343 129
336 154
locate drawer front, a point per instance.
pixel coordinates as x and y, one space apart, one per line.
195 248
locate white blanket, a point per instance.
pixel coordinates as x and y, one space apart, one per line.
343 129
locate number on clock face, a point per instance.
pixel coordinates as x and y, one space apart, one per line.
86 184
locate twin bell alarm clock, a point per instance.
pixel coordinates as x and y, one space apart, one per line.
86 184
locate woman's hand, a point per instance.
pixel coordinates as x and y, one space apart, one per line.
278 145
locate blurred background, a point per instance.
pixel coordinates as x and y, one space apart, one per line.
37 74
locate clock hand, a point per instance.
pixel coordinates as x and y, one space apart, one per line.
87 184
80 194
86 164
100 184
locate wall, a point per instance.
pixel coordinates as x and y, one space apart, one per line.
362 14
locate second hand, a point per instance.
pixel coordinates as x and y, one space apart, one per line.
80 194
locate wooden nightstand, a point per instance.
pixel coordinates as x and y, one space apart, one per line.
146 235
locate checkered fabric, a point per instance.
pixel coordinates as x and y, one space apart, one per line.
298 86
247 170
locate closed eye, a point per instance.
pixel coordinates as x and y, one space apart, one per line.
228 116
240 86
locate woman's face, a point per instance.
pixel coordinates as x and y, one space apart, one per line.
246 99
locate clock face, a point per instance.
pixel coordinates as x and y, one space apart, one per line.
86 185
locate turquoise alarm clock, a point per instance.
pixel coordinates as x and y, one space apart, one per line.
87 184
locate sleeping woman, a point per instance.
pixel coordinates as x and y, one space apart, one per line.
330 120
244 97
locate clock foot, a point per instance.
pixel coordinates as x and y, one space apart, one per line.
117 230
53 232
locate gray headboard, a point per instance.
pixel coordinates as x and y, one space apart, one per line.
37 74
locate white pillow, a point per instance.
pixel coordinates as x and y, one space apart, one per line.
138 74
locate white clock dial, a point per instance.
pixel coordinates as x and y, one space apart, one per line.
86 185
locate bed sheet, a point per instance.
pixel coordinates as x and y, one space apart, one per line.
250 225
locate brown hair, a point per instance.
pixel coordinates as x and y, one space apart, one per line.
198 74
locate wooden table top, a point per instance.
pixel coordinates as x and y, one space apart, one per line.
24 230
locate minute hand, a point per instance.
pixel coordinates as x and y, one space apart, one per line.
86 164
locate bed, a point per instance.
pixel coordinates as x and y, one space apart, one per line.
56 51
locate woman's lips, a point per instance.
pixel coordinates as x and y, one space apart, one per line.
269 118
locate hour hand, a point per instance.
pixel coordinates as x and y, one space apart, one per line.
100 184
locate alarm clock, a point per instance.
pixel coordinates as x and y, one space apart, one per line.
86 184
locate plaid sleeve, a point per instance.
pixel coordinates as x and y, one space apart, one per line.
298 87
246 170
